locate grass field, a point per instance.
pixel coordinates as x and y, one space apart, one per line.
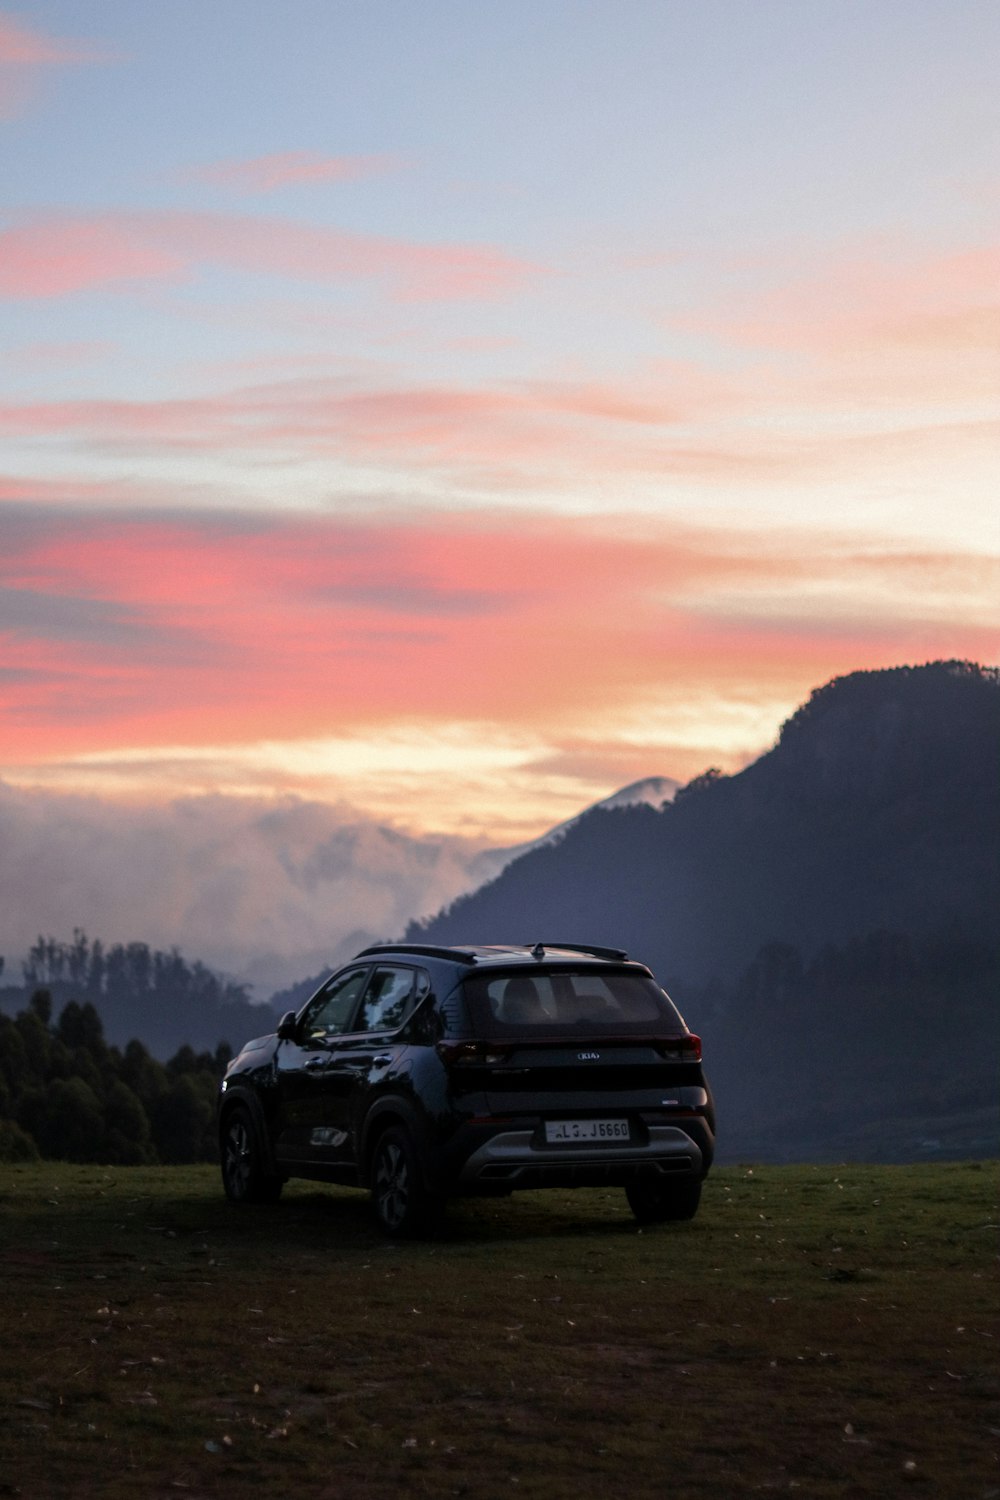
818 1330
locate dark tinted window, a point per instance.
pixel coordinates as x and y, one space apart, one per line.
454 1014
331 1011
387 999
567 1001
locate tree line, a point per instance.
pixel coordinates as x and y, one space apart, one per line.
129 970
140 991
67 1095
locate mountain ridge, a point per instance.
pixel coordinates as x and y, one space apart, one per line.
805 845
824 918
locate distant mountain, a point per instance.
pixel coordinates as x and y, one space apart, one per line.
876 813
877 808
651 791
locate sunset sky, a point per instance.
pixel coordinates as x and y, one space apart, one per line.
451 412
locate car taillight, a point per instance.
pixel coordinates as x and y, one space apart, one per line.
459 1054
683 1048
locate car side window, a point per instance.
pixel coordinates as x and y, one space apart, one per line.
386 1000
331 1011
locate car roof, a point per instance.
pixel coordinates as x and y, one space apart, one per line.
502 955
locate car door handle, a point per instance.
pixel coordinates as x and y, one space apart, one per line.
314 1062
359 1069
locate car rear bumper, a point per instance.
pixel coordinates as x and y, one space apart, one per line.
515 1159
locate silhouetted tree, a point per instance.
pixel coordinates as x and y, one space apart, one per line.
41 1004
65 1094
183 1120
65 1119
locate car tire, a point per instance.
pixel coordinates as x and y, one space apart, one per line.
245 1177
403 1205
659 1203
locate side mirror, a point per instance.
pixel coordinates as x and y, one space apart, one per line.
286 1027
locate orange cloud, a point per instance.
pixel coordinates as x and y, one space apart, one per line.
52 257
864 306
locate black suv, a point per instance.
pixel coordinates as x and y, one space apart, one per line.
425 1072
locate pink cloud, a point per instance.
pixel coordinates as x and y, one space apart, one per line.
61 356
52 257
265 174
23 48
867 298
56 258
550 433
52 491
26 53
165 629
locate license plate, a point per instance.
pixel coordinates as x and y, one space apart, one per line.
558 1132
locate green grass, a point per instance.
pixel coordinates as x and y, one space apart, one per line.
819 1331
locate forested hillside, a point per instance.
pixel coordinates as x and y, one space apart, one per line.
828 919
140 992
65 1093
884 1049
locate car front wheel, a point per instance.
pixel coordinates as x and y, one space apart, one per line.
403 1206
658 1203
244 1175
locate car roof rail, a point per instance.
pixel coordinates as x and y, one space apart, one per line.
612 954
425 950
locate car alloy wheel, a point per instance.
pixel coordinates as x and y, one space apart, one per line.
244 1176
237 1157
403 1206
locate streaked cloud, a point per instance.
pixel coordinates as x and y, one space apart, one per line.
868 380
281 169
27 53
21 46
868 328
55 256
428 665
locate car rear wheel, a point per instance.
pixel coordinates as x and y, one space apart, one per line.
403 1205
244 1175
658 1203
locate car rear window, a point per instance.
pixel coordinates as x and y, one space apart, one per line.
570 1001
